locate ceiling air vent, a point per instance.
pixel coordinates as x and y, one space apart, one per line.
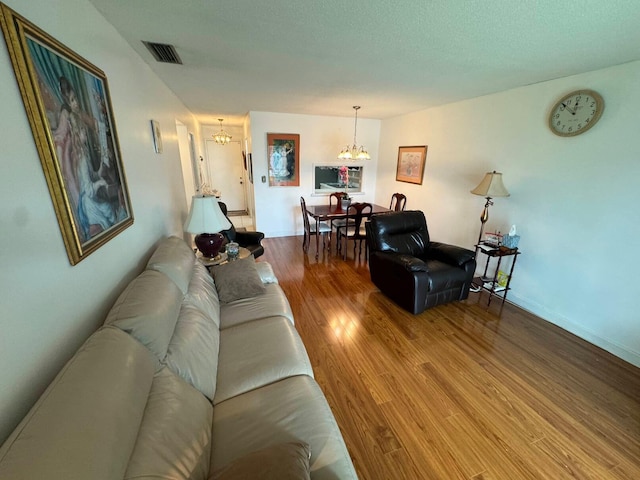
163 52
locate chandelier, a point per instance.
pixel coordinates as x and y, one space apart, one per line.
222 137
354 152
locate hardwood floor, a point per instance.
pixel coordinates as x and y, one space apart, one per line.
460 391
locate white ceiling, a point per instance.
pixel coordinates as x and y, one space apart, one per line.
321 57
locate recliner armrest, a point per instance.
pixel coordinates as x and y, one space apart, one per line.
401 261
249 238
450 254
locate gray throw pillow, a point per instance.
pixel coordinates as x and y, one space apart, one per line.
287 461
237 279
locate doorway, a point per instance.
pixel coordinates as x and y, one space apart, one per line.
226 171
186 149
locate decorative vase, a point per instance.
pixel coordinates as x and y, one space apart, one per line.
233 250
344 203
209 243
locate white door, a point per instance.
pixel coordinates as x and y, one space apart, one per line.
227 173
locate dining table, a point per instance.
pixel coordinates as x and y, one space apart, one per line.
334 212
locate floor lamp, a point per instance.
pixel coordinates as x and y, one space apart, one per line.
490 186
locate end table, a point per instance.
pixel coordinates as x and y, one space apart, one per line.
220 258
490 284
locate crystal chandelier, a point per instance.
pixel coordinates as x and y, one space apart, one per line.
222 137
354 152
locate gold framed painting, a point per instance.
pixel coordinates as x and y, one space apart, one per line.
283 150
68 106
411 161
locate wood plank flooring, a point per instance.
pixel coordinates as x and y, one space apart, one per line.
460 391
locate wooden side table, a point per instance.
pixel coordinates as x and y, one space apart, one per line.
220 258
488 283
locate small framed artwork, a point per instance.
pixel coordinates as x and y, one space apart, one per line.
68 106
157 136
250 167
411 162
283 150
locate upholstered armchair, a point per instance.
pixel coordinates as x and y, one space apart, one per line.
249 240
409 268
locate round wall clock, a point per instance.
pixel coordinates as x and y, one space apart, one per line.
575 113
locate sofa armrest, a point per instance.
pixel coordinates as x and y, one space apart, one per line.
450 254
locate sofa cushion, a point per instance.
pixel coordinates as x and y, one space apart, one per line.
174 258
86 423
259 353
287 461
148 309
202 293
237 280
291 410
272 303
193 349
174 441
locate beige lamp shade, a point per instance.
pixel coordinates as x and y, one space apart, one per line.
205 216
491 186
206 220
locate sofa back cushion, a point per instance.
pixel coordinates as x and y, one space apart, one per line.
193 350
174 441
202 293
174 258
148 309
86 423
178 329
194 346
399 232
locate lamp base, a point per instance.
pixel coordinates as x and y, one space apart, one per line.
209 243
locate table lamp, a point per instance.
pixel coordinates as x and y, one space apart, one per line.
206 220
490 186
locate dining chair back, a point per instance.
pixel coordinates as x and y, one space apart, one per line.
398 202
337 224
312 229
357 215
335 196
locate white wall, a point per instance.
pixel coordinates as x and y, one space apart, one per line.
49 307
321 139
574 200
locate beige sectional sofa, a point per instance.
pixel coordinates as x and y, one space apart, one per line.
177 385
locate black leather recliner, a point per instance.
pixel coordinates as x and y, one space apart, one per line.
413 271
249 240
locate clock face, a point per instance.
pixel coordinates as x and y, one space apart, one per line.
575 113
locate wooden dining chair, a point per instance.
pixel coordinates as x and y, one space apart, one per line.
310 228
336 224
357 215
398 202
337 196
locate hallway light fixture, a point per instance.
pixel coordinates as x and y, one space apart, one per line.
490 186
222 137
355 151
